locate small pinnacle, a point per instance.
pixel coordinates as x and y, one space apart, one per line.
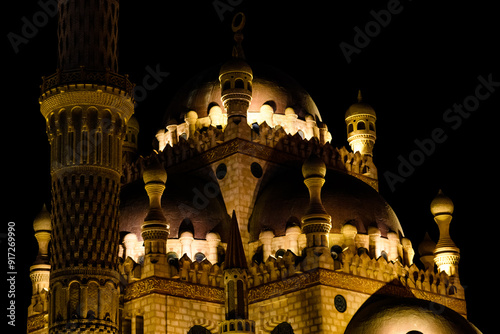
360 98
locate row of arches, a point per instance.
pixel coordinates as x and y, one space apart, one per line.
361 125
91 301
236 84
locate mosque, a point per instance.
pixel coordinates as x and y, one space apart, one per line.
243 219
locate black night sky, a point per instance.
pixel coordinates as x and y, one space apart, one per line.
429 69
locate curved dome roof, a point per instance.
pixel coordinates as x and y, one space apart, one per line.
269 86
183 203
360 108
285 199
408 315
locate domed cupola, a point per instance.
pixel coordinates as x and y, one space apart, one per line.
360 119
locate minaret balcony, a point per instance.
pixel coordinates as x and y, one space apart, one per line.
85 76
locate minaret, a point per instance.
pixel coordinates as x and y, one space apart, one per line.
235 78
316 223
360 119
236 285
446 253
86 105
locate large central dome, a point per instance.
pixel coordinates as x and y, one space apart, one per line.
270 87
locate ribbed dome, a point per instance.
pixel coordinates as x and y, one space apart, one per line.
345 198
270 86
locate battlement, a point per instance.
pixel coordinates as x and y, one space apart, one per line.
277 276
269 143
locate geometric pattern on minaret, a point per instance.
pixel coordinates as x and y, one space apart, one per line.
86 105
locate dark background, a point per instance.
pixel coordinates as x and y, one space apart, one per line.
428 58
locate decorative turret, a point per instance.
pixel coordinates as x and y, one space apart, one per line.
316 223
235 78
360 119
40 270
155 229
42 227
236 285
446 253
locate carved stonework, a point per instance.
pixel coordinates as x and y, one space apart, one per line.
174 288
351 283
37 322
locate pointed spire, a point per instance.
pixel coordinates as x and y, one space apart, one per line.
235 254
360 97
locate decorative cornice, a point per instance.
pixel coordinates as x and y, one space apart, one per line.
352 283
174 287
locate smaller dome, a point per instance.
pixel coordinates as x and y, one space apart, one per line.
155 173
235 65
130 237
441 204
42 221
427 246
313 166
360 108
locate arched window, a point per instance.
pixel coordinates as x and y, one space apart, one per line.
227 85
283 328
238 83
197 329
361 125
371 126
350 128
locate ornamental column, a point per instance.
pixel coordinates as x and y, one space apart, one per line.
316 223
